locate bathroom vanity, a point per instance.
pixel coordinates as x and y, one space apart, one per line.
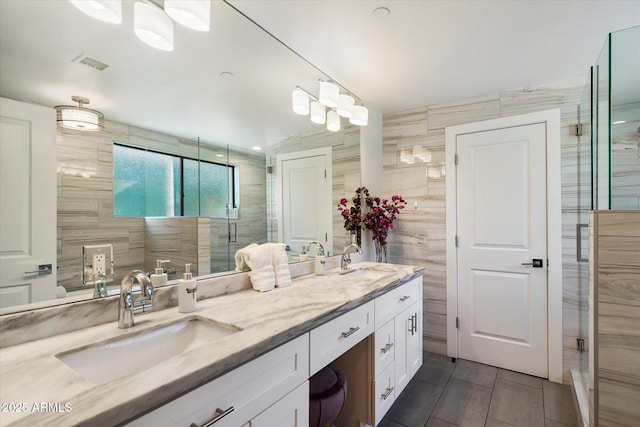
254 372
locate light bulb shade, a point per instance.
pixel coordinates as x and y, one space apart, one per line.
333 121
194 14
79 118
328 94
345 105
360 116
318 115
300 102
103 10
153 26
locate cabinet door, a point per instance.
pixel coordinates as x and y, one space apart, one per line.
290 411
408 336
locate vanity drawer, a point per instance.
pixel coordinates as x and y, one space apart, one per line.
384 346
384 392
334 338
394 302
249 390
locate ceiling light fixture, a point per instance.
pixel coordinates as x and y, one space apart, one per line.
194 14
151 23
339 104
79 118
153 26
103 10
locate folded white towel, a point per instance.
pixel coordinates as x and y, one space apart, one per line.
283 275
263 279
240 256
278 254
258 256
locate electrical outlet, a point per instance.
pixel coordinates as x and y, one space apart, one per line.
99 264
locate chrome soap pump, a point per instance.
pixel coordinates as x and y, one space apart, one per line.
187 292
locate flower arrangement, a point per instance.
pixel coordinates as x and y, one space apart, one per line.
379 217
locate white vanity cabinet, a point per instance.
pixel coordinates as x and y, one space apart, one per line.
397 343
245 394
290 411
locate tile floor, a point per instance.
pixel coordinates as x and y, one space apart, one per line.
447 394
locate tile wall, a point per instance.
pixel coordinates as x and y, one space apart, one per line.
414 156
85 203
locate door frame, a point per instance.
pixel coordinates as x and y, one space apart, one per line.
551 118
280 158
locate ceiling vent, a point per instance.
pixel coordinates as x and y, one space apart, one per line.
85 59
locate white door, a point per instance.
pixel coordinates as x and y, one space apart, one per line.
306 198
27 203
502 229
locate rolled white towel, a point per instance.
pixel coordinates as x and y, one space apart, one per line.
263 279
278 254
283 275
258 256
240 257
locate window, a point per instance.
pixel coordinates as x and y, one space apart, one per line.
148 183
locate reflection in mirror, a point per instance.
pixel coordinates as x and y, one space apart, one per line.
179 103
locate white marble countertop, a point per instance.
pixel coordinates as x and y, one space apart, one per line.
31 375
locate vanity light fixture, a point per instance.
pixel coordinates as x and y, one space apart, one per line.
151 23
345 105
339 105
153 26
318 113
328 94
103 10
300 101
79 118
194 14
333 121
360 116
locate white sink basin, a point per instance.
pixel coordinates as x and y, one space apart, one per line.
116 358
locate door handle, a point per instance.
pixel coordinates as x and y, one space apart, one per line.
535 263
42 270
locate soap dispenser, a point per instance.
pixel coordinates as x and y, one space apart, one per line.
187 292
159 278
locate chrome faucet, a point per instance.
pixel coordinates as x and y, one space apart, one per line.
346 257
319 245
127 304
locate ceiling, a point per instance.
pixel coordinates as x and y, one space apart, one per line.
421 53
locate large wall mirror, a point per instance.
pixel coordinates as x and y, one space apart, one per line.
214 98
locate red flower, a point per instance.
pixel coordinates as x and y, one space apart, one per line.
379 218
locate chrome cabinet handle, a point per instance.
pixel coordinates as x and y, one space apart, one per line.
351 331
411 324
404 298
387 393
42 269
415 322
387 347
217 416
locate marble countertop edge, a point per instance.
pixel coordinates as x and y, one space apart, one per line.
123 399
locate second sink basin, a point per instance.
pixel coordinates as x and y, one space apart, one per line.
116 358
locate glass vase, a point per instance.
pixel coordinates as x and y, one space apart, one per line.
381 251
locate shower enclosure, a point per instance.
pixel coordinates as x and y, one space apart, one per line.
608 161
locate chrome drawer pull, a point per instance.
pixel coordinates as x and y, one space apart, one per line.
387 393
404 298
411 324
415 323
217 416
386 347
350 332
